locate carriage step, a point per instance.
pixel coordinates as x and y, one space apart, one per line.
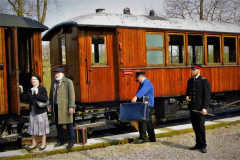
98 124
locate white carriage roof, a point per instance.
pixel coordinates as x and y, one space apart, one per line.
150 22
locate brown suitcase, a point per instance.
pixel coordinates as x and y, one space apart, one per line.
80 135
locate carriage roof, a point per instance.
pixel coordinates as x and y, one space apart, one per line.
7 20
146 22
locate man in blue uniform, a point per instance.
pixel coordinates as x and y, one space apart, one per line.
198 96
145 89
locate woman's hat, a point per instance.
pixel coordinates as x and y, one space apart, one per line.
38 77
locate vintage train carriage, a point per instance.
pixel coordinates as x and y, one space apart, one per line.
20 57
102 52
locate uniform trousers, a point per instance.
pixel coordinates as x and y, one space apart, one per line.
70 130
147 126
198 123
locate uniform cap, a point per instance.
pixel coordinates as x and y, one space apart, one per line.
196 66
140 73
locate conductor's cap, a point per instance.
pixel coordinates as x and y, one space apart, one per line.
59 70
140 73
196 66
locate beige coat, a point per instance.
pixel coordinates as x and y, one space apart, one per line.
66 99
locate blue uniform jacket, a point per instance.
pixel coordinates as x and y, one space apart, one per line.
146 89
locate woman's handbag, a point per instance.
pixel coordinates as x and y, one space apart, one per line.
42 104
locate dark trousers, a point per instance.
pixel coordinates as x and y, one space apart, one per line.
70 130
147 126
198 123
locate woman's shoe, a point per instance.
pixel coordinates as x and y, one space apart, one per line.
41 149
29 149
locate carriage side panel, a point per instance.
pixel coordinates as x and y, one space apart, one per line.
72 58
3 75
37 54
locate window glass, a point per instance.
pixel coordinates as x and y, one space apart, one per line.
195 49
229 49
98 50
154 40
213 49
155 49
176 49
63 48
155 57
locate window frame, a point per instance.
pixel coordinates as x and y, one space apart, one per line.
220 47
156 49
184 45
230 63
105 44
61 55
203 47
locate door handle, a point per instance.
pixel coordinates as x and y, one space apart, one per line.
90 69
1 66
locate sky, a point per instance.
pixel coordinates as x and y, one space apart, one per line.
72 8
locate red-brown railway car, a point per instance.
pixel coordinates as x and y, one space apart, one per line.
20 57
102 52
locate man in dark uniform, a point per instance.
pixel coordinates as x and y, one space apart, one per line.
145 89
198 95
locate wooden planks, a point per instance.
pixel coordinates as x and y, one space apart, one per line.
3 83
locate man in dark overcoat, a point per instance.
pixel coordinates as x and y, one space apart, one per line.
198 95
62 101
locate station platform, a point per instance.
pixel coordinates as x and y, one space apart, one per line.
114 140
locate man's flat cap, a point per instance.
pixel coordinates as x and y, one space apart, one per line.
196 66
59 70
140 73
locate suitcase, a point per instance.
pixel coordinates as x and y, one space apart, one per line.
133 112
80 135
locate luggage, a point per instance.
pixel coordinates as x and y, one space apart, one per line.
133 111
80 135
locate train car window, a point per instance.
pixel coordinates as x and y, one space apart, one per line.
229 49
195 49
154 49
213 49
99 50
63 50
176 49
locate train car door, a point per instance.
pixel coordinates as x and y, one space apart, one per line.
12 70
101 84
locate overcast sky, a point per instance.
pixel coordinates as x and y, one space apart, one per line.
73 8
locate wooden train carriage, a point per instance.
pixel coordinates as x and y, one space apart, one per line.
20 57
102 52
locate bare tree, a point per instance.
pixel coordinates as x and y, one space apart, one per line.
35 9
212 10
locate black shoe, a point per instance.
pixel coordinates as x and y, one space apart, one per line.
41 149
140 141
70 145
195 147
58 144
29 149
152 140
204 150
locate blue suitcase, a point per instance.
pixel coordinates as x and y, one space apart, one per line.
133 112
